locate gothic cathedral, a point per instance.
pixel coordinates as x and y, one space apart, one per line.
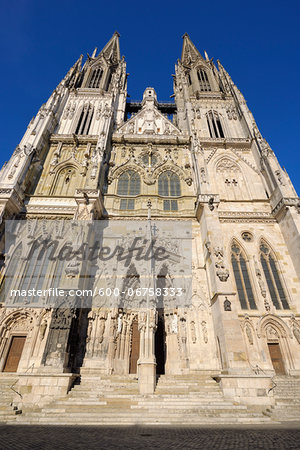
91 155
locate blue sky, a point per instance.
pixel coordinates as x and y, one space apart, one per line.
257 42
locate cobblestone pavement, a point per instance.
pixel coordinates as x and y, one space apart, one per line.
84 438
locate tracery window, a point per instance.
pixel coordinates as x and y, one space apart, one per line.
169 186
96 78
37 273
11 274
242 278
214 125
203 80
85 120
129 184
270 268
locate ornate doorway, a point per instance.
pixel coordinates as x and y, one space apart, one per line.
14 354
135 347
160 346
276 357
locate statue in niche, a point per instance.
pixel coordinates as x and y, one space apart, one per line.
43 328
120 323
174 324
193 332
204 331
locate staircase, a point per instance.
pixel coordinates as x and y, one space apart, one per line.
287 400
7 411
115 400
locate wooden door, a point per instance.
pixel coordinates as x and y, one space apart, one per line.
135 347
14 354
276 358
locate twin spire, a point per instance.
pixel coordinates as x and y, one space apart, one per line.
189 53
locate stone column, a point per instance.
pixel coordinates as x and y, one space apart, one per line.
147 362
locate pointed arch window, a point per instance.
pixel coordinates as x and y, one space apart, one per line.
37 273
169 186
96 78
129 184
203 80
270 268
11 274
242 278
214 124
85 119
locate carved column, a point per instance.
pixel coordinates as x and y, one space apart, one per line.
147 362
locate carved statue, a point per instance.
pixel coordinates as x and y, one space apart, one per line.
43 328
193 332
174 324
204 331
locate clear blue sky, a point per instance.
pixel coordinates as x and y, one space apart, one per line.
257 42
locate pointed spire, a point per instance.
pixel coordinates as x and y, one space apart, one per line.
111 51
189 54
94 53
206 56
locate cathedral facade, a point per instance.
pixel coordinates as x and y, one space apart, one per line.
91 155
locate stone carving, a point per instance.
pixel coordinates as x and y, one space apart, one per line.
227 305
249 334
62 318
174 324
91 318
295 328
142 321
72 111
193 332
98 112
260 281
24 324
120 323
202 175
153 318
227 165
271 333
221 271
217 254
43 328
231 113
72 269
204 331
280 177
296 333
102 324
